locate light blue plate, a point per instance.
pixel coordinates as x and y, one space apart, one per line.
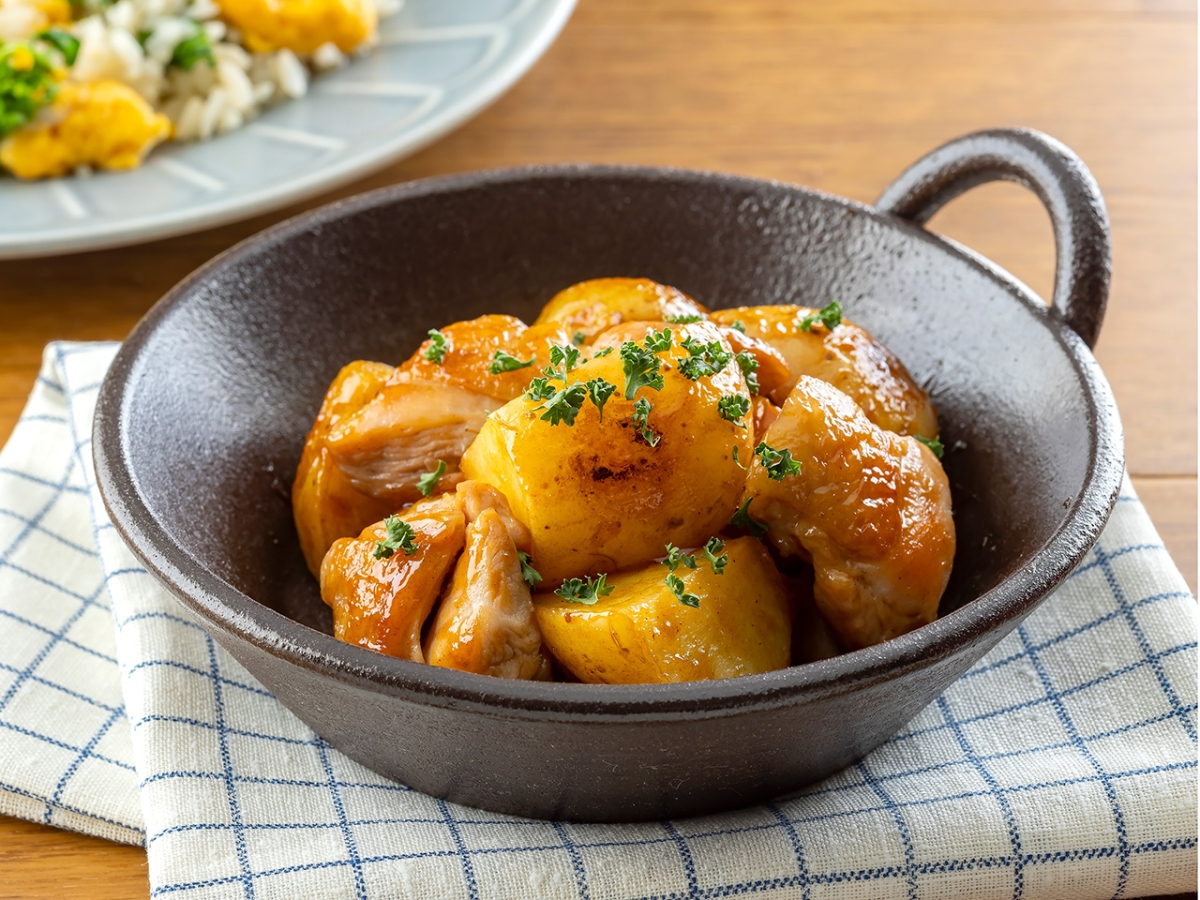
439 62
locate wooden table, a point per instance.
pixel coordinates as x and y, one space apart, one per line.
837 95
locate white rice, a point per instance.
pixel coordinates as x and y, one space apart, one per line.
201 102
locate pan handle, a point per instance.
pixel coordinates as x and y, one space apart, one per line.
1061 181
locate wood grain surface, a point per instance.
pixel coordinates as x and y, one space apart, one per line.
839 96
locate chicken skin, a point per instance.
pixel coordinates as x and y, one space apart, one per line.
869 507
485 623
381 601
846 356
590 307
325 505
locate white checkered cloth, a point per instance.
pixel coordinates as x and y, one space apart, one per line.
1063 764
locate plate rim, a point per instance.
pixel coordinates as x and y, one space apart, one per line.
165 224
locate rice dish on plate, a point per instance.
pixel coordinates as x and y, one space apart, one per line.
97 85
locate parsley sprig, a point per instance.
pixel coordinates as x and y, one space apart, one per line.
704 359
438 345
684 319
427 482
738 325
584 590
528 572
934 444
400 536
62 41
641 368
641 418
778 463
676 558
505 362
743 519
192 50
598 391
679 589
749 365
564 405
733 408
830 316
579 339
714 553
27 83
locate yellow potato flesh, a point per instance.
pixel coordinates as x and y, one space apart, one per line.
642 634
595 495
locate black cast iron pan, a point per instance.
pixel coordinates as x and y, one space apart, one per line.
201 421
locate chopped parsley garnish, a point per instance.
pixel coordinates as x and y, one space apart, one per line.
675 583
503 362
749 366
540 389
684 319
738 325
738 461
934 444
830 316
641 369
605 352
734 407
659 342
676 557
564 405
438 345
578 339
427 482
528 572
778 463
598 391
563 358
743 519
586 591
714 547
27 83
62 41
400 536
192 50
641 418
704 359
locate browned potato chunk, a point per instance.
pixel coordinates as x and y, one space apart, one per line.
485 623
592 306
382 603
641 633
325 505
470 351
847 357
607 492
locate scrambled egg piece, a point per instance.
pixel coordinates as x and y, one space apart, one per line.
103 124
301 25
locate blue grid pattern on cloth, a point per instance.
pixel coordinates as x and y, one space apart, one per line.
1066 757
66 754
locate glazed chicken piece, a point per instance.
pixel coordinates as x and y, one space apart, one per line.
869 507
403 433
301 25
587 308
846 357
381 601
104 124
485 623
469 353
476 497
607 490
325 505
